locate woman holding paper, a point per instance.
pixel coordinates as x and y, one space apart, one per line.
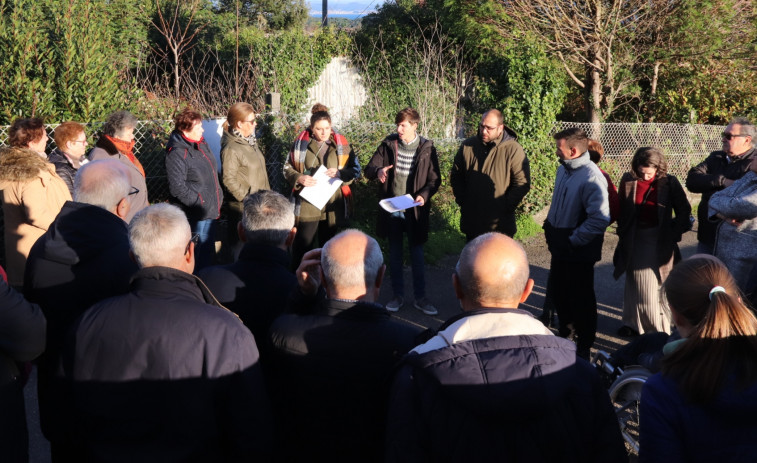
406 163
317 146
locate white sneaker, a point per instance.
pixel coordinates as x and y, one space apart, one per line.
395 304
425 306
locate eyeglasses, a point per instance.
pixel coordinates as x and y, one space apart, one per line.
83 142
134 190
728 136
194 239
487 128
252 121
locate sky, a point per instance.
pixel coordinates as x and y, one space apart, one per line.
351 7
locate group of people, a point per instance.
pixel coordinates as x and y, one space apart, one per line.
149 352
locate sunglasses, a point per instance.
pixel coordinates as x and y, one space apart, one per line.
728 136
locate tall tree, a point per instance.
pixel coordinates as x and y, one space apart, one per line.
598 42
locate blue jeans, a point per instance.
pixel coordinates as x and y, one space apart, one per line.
206 247
398 226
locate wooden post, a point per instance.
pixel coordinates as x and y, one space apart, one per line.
324 13
273 102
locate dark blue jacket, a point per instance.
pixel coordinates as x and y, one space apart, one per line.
333 370
256 287
192 172
509 398
164 373
82 258
674 430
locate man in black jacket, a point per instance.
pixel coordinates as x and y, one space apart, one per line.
333 360
494 378
406 163
83 258
258 285
719 170
164 372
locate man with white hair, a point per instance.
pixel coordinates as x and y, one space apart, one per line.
257 286
494 378
83 258
164 372
333 360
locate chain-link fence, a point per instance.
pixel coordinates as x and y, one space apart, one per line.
684 145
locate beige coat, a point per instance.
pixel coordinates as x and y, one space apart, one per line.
33 194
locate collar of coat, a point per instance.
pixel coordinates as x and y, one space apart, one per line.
484 323
300 148
576 163
178 276
22 165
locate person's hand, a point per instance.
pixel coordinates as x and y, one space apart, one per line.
382 175
309 272
332 173
419 199
306 180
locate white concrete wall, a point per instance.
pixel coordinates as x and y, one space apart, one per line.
340 88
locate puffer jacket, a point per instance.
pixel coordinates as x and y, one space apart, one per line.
193 177
164 373
472 394
33 194
579 212
424 181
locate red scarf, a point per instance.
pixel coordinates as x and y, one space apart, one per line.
127 149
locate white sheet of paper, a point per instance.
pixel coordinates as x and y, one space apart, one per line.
320 194
398 203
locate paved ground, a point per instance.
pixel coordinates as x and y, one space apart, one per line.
439 290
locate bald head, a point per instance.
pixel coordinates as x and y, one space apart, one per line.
103 183
492 272
352 266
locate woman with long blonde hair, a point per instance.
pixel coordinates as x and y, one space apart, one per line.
702 407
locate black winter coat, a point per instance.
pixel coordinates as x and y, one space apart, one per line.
509 398
22 338
164 373
82 258
424 181
256 287
712 175
192 172
333 368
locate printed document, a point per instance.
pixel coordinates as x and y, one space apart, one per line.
320 194
398 203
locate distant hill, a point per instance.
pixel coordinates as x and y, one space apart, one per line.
346 21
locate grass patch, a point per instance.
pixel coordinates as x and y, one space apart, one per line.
527 227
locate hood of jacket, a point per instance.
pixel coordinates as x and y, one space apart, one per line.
492 376
81 232
21 165
177 140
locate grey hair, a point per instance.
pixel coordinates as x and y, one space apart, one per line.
158 235
508 287
351 275
268 218
747 128
117 122
102 183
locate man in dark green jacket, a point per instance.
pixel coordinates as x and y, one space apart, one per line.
490 177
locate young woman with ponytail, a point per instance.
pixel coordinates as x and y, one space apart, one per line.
703 406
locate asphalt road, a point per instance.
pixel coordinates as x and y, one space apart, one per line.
439 290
